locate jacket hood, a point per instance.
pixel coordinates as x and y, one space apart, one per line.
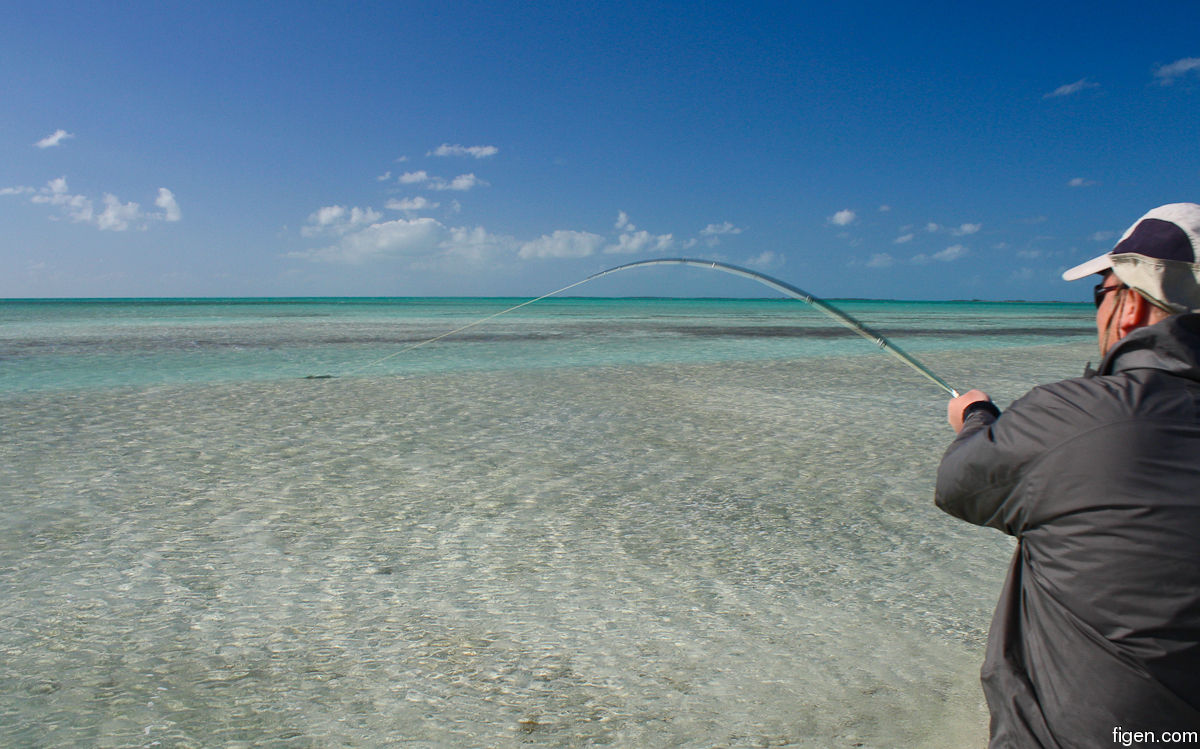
1171 345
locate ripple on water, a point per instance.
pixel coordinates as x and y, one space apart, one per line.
676 555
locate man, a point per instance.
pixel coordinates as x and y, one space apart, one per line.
1096 637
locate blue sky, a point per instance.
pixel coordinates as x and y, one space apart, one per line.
860 149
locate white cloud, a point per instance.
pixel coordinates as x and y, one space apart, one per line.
843 217
385 176
641 241
961 230
475 245
766 259
953 252
54 139
398 238
115 214
713 230
1080 182
337 219
361 238
885 208
562 244
478 152
166 201
1071 88
881 260
904 238
56 193
1103 236
412 204
1029 254
623 222
1167 74
461 182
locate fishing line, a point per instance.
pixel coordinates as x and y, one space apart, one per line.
458 330
795 292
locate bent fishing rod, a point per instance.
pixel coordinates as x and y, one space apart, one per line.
788 289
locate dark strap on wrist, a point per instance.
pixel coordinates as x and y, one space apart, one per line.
986 406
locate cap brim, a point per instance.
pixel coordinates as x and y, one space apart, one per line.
1095 265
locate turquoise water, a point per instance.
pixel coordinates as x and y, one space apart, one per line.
102 343
593 522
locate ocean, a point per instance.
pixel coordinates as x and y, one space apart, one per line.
590 522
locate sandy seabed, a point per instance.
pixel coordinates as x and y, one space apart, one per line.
707 555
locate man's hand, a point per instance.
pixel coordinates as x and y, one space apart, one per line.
954 411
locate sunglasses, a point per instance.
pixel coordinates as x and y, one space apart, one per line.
1100 290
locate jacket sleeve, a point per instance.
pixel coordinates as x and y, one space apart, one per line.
987 475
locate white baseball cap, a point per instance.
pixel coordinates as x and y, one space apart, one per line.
1159 257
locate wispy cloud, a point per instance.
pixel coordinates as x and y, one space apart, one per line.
843 217
462 182
766 259
478 152
403 237
166 201
721 229
562 243
112 214
473 245
961 230
904 238
418 203
712 233
640 241
1167 74
951 253
338 219
881 260
1071 89
1081 182
54 139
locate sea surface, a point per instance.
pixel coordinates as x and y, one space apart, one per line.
590 522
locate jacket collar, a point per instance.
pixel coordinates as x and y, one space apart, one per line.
1171 345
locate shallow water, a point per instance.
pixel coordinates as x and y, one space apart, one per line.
661 546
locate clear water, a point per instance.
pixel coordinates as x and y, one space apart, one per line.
591 522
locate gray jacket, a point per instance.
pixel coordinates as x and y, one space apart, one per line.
1098 627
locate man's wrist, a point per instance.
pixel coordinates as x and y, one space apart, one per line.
985 406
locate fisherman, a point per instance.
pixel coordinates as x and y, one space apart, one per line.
1096 637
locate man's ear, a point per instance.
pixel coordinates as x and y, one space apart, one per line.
1134 314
